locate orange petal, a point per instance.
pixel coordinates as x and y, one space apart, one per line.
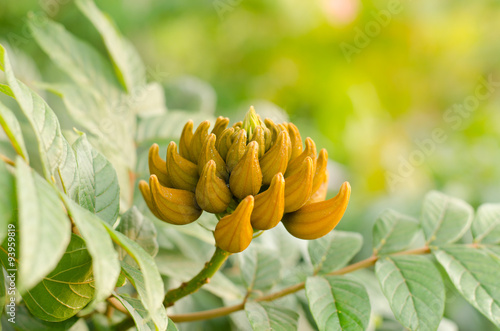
320 194
309 151
317 219
275 160
298 187
157 166
146 194
224 142
220 125
185 140
212 193
258 136
209 152
183 173
198 139
296 140
319 175
174 206
269 205
246 177
234 232
236 150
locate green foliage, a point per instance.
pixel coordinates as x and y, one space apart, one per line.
79 231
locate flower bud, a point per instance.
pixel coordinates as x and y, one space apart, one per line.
220 125
236 150
258 136
269 205
246 177
234 232
283 128
157 166
275 160
251 121
224 142
146 194
212 193
298 186
173 206
309 151
320 194
209 152
319 174
185 141
296 140
317 219
183 173
198 139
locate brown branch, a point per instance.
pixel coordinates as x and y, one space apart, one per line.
115 303
218 312
7 160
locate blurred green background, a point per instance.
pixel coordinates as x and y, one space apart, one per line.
403 94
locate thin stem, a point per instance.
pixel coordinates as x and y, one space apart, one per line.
199 280
7 160
218 312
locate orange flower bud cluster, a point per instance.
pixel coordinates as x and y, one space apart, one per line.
258 166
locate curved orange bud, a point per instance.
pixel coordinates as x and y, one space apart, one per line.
183 173
246 177
212 193
275 160
319 174
318 219
320 194
238 124
198 139
220 125
173 206
236 150
269 205
224 142
208 152
296 140
309 151
282 128
268 136
258 136
234 232
298 187
185 140
157 166
272 128
146 194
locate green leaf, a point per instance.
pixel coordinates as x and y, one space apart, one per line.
394 232
474 272
414 289
260 268
268 316
76 58
45 230
105 263
338 303
334 250
140 229
148 282
140 314
67 289
445 219
26 321
486 226
7 200
10 125
43 121
99 191
68 177
127 63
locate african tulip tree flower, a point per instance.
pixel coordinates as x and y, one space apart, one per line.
252 175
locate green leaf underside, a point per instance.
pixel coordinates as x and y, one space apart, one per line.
148 282
26 321
414 289
260 268
67 289
140 315
105 264
394 232
7 200
99 191
140 229
486 226
12 129
268 316
338 303
445 219
334 250
474 272
127 63
45 229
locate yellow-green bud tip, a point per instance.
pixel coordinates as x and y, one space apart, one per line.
251 121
